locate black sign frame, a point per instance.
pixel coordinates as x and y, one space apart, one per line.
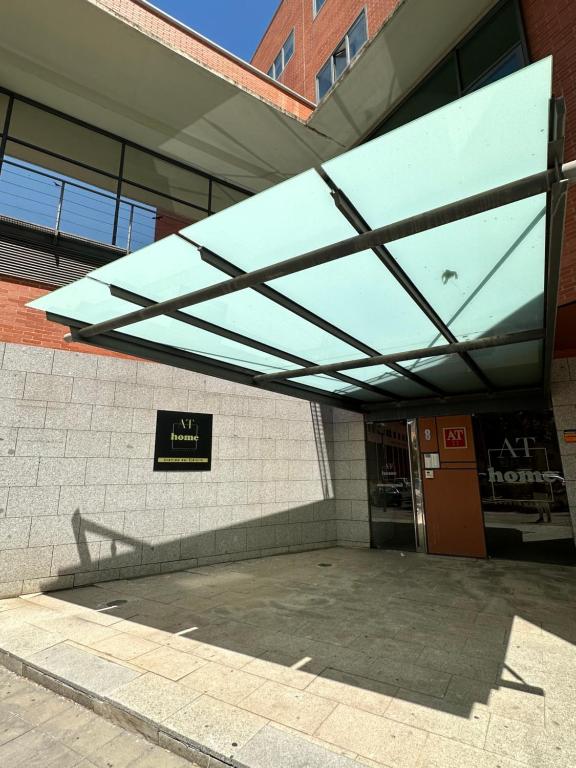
183 442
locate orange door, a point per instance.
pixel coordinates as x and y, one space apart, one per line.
454 523
452 507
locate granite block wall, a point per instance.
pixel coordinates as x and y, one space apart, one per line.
564 402
79 502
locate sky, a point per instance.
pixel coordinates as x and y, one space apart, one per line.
236 25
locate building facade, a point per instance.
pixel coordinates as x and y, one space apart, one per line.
98 161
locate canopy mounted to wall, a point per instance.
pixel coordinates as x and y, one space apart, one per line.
418 269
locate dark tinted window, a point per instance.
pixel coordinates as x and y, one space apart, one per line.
342 56
493 50
324 79
357 35
509 64
437 90
288 48
340 61
494 39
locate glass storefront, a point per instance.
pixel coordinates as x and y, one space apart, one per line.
390 486
522 486
521 482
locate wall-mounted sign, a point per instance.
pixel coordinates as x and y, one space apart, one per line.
570 435
455 437
432 461
183 442
429 474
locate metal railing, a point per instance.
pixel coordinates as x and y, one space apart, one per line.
48 200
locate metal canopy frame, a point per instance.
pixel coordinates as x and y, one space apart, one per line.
554 182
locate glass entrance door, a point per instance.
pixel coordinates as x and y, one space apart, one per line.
390 486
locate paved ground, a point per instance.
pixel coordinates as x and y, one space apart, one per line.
39 728
333 659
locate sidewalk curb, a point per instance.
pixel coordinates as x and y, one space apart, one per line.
120 715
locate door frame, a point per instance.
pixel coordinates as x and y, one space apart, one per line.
413 446
417 489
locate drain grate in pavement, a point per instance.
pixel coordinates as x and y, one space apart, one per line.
324 565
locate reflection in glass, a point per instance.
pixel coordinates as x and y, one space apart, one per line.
523 488
357 35
63 137
494 38
389 486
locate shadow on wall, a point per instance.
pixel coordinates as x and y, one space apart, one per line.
200 535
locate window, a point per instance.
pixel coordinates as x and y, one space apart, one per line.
493 50
317 4
344 54
68 177
280 62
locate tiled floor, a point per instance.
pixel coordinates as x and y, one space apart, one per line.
39 729
330 659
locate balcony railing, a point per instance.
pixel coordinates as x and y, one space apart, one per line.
55 202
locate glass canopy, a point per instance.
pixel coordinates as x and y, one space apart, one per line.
476 277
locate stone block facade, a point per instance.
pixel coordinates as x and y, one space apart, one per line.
79 502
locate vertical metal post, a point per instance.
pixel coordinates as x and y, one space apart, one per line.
5 130
210 211
556 205
118 194
417 490
130 223
60 205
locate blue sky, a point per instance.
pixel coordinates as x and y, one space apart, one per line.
236 25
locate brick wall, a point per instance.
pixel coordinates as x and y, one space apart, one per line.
79 502
551 29
315 37
22 325
211 57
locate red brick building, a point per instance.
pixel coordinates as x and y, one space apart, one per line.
316 35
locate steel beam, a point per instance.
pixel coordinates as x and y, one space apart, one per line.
444 349
505 400
521 189
354 217
191 361
279 298
557 200
218 330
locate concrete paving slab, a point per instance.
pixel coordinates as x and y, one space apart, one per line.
220 727
79 740
169 662
355 691
224 683
375 737
154 696
274 747
369 659
289 706
84 669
